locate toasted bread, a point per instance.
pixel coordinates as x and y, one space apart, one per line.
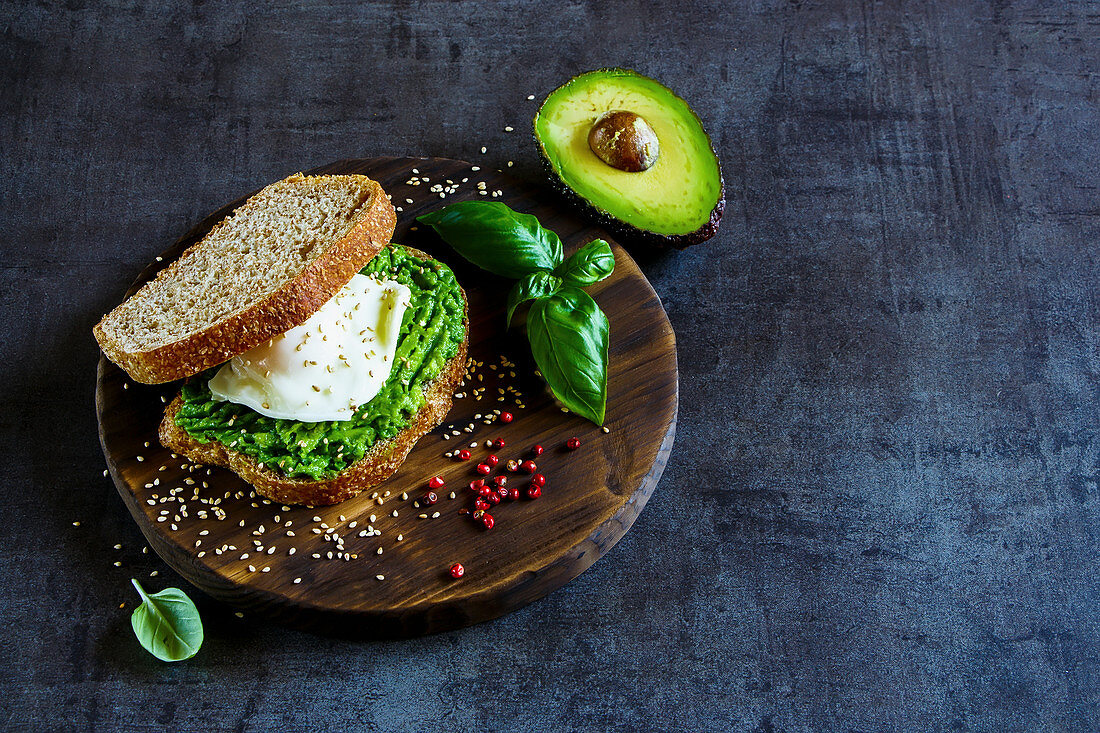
264 269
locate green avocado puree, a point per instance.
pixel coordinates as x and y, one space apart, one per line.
432 330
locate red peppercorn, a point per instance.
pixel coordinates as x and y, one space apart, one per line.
533 492
484 491
513 493
481 504
493 498
487 520
464 455
484 469
538 480
502 492
512 465
492 460
536 451
457 571
475 485
573 443
435 482
429 499
528 467
506 417
478 515
463 510
500 480
498 443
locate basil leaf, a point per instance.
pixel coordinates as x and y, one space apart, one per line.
167 624
589 264
569 335
495 238
535 285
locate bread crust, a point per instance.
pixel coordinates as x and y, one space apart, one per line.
377 465
278 312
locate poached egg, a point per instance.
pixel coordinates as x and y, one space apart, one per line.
328 366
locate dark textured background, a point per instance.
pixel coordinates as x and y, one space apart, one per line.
882 510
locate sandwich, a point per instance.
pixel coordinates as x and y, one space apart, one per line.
315 352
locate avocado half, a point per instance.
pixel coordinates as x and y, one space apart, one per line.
677 200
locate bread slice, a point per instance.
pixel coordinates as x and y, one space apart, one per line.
264 269
377 465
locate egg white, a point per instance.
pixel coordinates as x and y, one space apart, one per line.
323 369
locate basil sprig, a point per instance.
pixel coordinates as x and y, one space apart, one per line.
567 330
167 624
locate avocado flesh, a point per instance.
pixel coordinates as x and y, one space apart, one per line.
679 195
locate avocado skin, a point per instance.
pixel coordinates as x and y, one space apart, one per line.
627 232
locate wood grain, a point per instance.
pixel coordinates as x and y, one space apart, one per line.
591 499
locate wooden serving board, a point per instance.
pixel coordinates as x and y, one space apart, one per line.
591 498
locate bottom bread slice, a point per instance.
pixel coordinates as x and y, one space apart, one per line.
377 465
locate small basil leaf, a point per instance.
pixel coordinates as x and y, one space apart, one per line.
495 238
569 336
535 285
167 624
589 264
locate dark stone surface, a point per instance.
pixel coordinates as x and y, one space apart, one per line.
882 512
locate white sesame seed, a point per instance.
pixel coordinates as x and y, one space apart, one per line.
297 580
379 577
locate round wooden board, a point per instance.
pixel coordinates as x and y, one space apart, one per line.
591 498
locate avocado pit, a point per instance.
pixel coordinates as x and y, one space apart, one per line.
624 140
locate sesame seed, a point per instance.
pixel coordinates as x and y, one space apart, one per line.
379 577
508 128
379 551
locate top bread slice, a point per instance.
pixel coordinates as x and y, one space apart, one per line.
264 269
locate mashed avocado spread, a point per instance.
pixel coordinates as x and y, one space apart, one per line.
432 330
